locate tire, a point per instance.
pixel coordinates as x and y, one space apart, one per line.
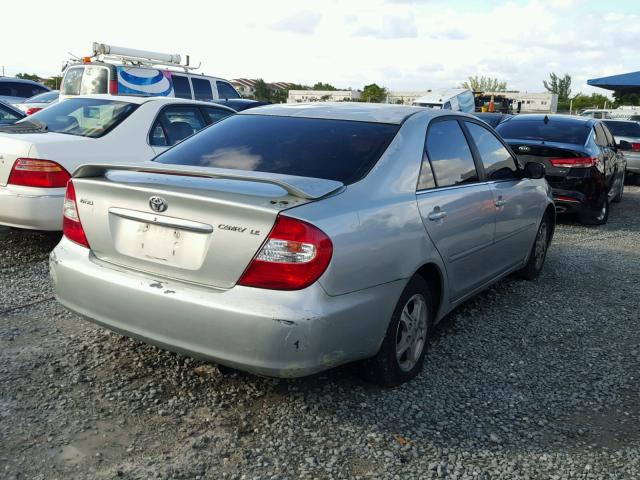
388 368
538 252
599 218
618 197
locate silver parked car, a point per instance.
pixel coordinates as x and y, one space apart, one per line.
290 239
627 137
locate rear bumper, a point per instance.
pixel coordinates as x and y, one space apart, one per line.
274 333
633 162
579 195
31 208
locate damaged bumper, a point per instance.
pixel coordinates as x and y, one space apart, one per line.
31 208
267 332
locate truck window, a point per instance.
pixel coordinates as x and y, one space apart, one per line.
72 81
181 87
85 80
94 80
202 89
226 91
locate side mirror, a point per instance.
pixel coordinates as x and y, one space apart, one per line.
624 146
534 170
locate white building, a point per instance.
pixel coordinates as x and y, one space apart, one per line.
531 102
303 96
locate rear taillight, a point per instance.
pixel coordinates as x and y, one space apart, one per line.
32 110
71 225
579 162
635 147
563 198
113 87
34 172
294 256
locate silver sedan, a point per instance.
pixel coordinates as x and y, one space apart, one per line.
290 239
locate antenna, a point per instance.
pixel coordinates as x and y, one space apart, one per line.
546 119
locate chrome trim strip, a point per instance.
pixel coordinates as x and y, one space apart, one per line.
161 220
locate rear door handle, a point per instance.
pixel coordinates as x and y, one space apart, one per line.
500 202
439 215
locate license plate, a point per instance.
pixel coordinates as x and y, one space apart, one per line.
159 243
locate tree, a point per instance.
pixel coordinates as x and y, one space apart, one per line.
373 93
29 76
595 100
262 91
626 98
484 84
53 82
559 86
323 86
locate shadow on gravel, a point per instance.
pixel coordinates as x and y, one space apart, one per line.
25 246
548 366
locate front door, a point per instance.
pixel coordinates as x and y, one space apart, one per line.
517 210
457 210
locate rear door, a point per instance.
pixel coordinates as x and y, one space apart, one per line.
457 209
175 123
616 162
515 198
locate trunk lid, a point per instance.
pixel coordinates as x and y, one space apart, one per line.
543 152
11 148
42 145
208 224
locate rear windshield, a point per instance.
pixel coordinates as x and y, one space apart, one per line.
332 149
85 117
46 97
624 129
20 89
561 132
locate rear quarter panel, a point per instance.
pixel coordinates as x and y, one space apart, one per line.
375 226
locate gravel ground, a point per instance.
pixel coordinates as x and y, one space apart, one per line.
529 380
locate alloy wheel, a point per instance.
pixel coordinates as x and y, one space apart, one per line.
540 250
411 333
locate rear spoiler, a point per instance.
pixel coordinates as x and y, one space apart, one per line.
301 187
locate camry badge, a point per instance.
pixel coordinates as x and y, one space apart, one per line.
524 148
158 204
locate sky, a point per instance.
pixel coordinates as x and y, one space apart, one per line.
399 44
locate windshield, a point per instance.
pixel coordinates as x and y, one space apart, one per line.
332 149
624 129
560 132
429 105
46 97
85 117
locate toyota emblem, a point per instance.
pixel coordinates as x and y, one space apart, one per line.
158 204
524 148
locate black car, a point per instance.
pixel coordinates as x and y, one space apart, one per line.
492 118
583 165
239 104
9 114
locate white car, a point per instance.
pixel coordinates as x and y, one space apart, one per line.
39 153
38 102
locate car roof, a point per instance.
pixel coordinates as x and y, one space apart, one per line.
618 120
139 100
553 118
21 80
355 111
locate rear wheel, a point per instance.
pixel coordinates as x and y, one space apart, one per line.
618 197
599 217
401 355
538 252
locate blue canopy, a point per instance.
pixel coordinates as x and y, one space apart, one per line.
625 82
